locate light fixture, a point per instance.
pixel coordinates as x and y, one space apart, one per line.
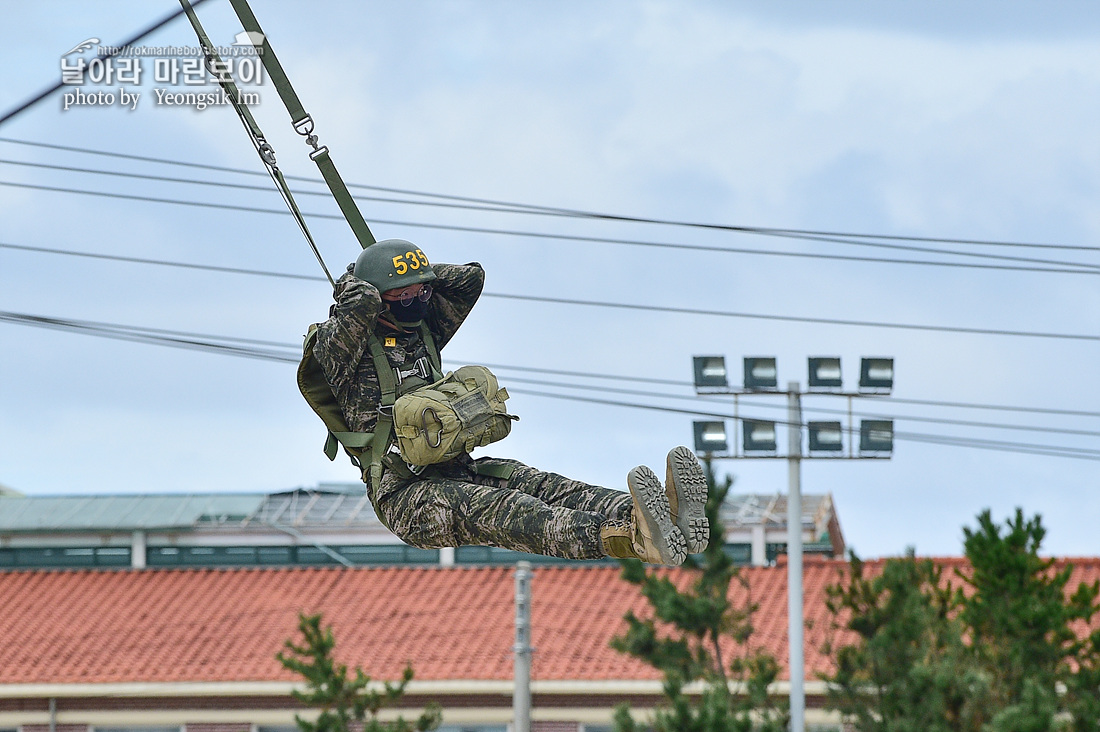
710 437
760 373
876 373
710 371
826 436
876 435
758 436
825 373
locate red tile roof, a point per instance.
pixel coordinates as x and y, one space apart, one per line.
451 623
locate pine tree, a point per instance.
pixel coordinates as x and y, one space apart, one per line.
1002 652
910 670
696 620
343 698
1022 625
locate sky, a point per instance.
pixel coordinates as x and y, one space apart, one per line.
973 121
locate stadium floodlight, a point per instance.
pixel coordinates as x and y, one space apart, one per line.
710 437
758 436
710 372
825 373
761 373
876 435
876 373
826 436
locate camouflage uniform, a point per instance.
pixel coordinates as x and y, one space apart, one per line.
452 505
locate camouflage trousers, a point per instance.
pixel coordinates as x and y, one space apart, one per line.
532 511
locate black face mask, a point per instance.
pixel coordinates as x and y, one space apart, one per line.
410 314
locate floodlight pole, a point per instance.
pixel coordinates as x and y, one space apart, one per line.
794 559
710 375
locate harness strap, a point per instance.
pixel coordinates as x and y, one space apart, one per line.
388 381
303 125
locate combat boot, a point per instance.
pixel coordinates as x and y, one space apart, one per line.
686 489
649 534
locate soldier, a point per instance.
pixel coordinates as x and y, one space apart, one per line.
393 296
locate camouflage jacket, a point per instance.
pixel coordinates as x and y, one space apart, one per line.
342 351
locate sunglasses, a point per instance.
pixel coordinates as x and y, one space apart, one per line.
423 295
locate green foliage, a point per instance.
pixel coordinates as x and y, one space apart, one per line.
999 653
908 671
343 698
686 649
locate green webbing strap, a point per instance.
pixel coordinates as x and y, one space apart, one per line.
504 472
218 68
352 440
343 197
433 352
383 428
303 125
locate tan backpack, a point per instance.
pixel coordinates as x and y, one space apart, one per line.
463 410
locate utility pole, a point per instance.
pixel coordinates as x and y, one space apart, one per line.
521 696
794 558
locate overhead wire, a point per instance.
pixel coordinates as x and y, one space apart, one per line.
808 236
177 339
1070 268
877 397
603 376
113 51
797 319
638 306
249 348
714 399
560 211
273 351
1048 450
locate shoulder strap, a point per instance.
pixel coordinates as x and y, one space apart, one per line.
383 428
318 394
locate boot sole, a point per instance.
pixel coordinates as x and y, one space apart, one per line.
649 496
691 491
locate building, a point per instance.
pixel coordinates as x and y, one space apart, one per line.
332 524
192 650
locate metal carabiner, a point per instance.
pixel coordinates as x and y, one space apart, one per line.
266 151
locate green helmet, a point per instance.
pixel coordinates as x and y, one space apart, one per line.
392 264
